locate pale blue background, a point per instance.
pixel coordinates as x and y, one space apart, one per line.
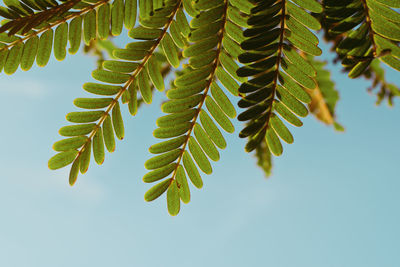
333 199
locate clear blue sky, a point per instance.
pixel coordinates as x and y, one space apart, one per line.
333 199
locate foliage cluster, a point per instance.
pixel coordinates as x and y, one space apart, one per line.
264 53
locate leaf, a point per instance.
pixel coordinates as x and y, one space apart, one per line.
84 116
76 130
199 156
108 134
92 103
118 122
218 115
89 26
205 142
183 187
130 13
144 87
173 199
13 59
168 145
84 158
70 143
101 89
103 21
98 147
110 77
73 174
29 53
44 49
212 130
117 17
60 41
62 159
74 34
157 190
153 70
170 50
162 160
159 174
191 170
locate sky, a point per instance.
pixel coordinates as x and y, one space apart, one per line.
332 200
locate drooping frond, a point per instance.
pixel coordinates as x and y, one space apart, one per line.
325 96
197 103
137 67
386 90
362 30
278 36
33 28
264 158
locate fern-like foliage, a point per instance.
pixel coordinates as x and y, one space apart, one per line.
197 104
278 35
362 30
261 52
136 68
33 28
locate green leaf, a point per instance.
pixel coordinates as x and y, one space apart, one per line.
174 131
175 118
179 105
287 114
281 129
205 142
200 47
184 191
110 77
92 103
85 116
29 53
291 102
44 49
160 173
89 26
199 156
227 81
73 173
62 159
98 147
162 160
173 199
118 122
76 130
130 13
117 17
298 75
120 66
219 115
212 130
168 145
142 33
273 142
60 41
84 158
302 16
108 134
75 34
70 143
154 72
187 90
144 87
101 89
222 100
311 5
103 21
13 59
157 190
191 170
170 50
